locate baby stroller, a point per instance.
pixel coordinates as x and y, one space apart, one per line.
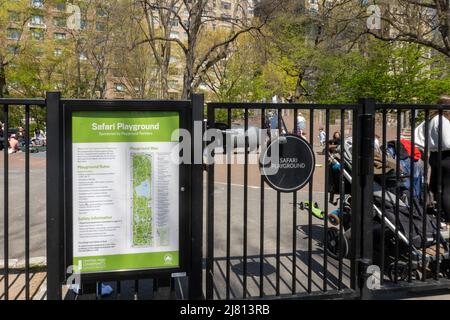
338 246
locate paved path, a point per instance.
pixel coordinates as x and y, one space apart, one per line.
17 205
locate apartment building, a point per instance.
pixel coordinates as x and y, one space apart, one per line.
50 20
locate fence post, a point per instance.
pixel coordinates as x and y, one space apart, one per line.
365 141
196 261
55 196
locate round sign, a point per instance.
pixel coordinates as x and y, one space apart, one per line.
294 166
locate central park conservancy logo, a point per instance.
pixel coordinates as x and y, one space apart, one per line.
168 259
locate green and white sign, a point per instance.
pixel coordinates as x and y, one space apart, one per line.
125 191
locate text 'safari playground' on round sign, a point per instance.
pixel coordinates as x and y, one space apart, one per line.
294 166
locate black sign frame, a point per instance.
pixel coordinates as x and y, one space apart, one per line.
280 141
185 247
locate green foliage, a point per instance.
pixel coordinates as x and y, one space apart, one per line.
388 72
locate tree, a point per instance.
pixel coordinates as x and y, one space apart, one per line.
135 69
240 76
159 16
195 19
322 57
14 16
425 22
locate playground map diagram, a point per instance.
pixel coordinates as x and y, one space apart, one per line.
142 196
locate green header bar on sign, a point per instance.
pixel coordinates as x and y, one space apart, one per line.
119 126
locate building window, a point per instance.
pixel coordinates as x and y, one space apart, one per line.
13 34
173 84
226 5
83 24
83 56
59 36
60 22
119 87
61 6
37 20
175 35
14 16
37 34
101 12
37 3
57 52
100 26
13 49
58 85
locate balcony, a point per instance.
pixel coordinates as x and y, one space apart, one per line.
36 25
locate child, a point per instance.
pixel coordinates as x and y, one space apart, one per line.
322 137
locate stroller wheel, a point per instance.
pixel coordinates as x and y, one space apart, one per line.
334 218
402 272
336 248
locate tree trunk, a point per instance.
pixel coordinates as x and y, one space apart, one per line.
2 80
188 78
164 82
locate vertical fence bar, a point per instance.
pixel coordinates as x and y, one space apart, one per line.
425 190
27 202
383 197
246 146
341 200
210 221
439 195
356 202
310 199
136 289
118 289
397 198
6 203
261 231
228 152
294 222
55 196
412 194
196 274
325 199
278 244
366 171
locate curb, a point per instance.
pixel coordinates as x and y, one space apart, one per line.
19 265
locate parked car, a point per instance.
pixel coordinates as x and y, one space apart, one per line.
237 132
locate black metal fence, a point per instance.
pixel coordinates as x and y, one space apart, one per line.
365 245
26 105
300 271
411 248
359 229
